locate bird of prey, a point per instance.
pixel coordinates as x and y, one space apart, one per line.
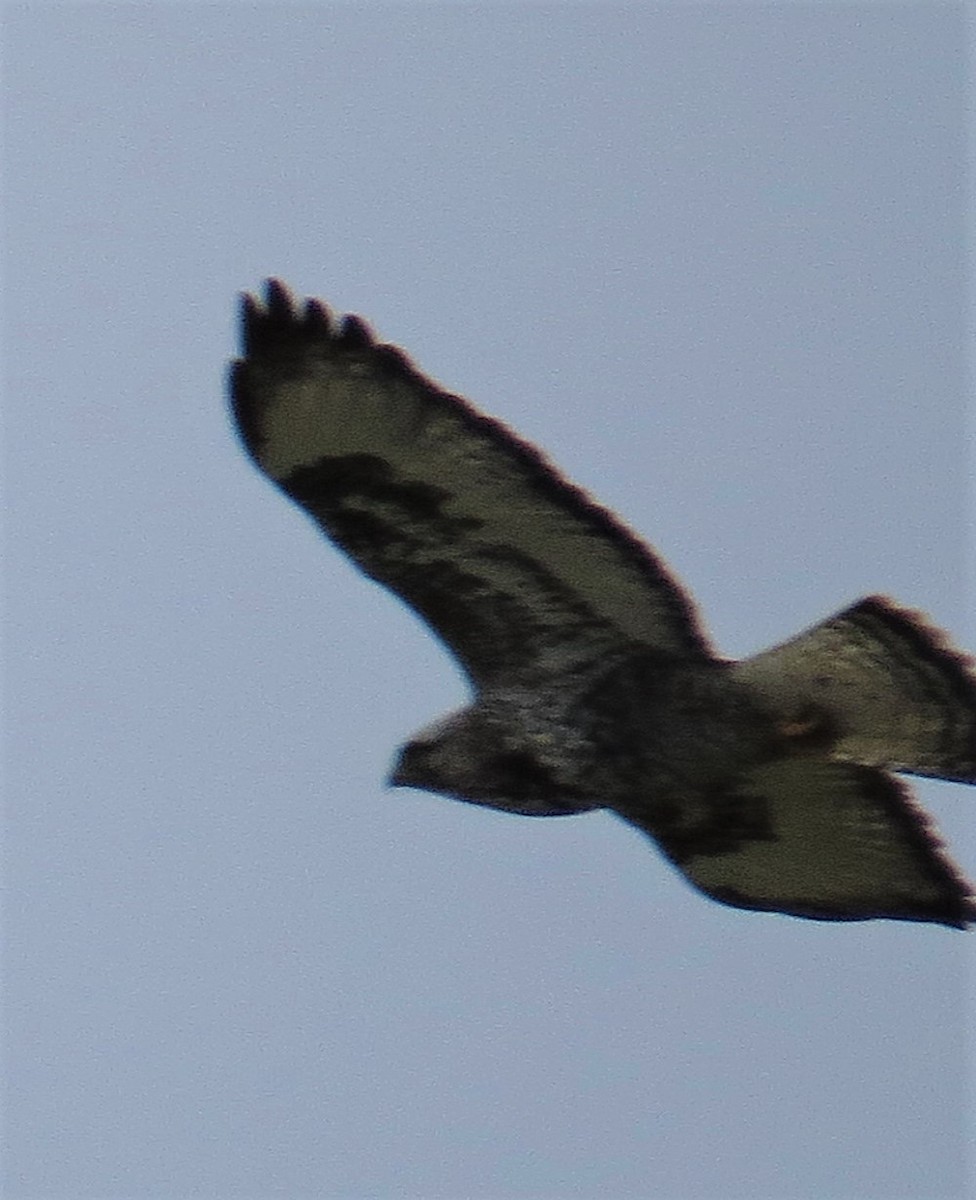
768 782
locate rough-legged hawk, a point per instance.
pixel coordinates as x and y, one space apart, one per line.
767 782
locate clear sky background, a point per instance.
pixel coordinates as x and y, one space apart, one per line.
712 258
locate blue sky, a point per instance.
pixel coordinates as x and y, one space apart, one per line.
712 258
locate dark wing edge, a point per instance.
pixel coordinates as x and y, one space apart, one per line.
287 346
819 839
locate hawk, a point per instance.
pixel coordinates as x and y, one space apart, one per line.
767 782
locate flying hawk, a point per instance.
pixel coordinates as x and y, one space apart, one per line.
767 782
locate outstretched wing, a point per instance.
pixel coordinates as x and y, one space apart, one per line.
881 685
513 566
815 838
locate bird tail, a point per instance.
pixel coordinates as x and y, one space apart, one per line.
877 685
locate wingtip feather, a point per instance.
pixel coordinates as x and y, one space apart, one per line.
279 321
278 299
355 332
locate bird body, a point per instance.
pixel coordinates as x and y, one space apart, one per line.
590 736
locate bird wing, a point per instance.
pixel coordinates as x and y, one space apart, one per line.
514 567
880 685
814 838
